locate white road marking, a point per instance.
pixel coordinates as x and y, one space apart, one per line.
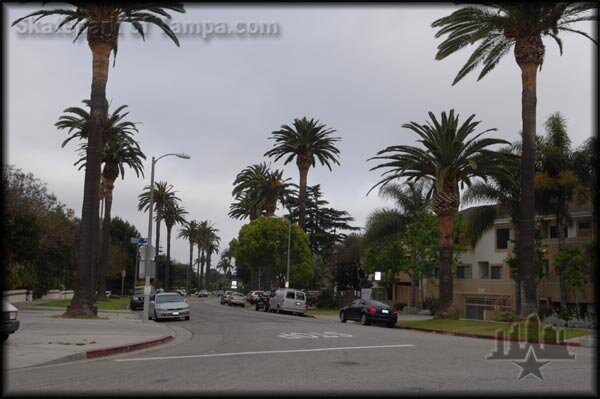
326 334
265 352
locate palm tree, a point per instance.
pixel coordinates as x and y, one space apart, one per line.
497 27
163 195
205 239
212 248
411 199
119 150
257 189
306 141
556 182
453 155
102 23
189 232
173 214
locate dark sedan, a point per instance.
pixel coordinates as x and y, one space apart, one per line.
137 298
367 311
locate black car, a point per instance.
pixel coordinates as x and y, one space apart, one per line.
263 300
137 299
10 322
367 311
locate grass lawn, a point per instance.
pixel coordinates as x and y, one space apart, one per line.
322 312
486 328
111 304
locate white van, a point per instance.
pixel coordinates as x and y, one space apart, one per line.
288 300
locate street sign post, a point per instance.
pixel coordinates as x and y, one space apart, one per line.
122 282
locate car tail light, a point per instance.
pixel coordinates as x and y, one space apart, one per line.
371 309
281 301
306 306
395 312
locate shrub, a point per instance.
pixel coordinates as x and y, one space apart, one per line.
398 306
555 321
544 311
567 313
326 300
432 304
586 322
451 313
506 317
410 310
425 312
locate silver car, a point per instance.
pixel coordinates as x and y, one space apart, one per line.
168 305
237 299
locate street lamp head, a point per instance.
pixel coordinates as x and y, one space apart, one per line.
184 156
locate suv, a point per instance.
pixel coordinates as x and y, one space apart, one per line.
225 297
137 299
288 300
262 302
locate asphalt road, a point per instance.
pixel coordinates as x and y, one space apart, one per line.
235 351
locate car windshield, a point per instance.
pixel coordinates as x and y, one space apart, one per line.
168 298
237 294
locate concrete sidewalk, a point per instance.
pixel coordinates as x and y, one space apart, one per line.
42 339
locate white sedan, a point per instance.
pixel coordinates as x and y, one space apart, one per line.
168 305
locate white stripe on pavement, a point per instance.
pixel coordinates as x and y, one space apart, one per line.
265 352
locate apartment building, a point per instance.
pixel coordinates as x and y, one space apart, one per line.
483 285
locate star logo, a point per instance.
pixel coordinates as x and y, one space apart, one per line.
531 365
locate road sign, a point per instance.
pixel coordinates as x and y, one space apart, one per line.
123 273
143 252
234 284
142 241
377 276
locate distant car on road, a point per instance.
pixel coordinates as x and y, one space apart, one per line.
252 296
237 299
168 305
288 300
10 323
225 297
367 311
262 302
137 298
218 293
203 294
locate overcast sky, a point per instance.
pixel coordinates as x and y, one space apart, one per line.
362 70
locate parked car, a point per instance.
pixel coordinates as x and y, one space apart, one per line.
10 322
180 291
218 293
252 296
225 297
203 294
367 311
168 305
288 300
262 302
137 298
237 299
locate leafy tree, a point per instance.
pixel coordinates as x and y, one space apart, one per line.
453 154
102 24
347 261
121 232
307 141
571 264
496 28
263 243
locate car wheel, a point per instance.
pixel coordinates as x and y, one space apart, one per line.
155 317
363 320
278 310
4 337
187 317
343 317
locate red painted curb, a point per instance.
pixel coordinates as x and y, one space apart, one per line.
127 347
514 339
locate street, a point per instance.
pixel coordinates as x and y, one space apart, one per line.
230 350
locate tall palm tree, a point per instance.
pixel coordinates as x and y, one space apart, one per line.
119 150
173 214
163 195
212 248
102 23
453 154
557 182
205 239
257 190
410 198
189 232
497 27
307 141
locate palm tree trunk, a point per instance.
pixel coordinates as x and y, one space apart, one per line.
84 299
303 166
527 200
191 266
208 260
105 255
517 275
414 281
168 265
446 244
202 260
560 234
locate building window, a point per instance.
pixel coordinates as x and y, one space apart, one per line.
545 268
463 272
496 272
502 238
584 229
553 232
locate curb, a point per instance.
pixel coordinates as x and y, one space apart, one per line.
467 335
127 347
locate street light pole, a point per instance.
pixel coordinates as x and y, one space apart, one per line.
287 279
149 239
